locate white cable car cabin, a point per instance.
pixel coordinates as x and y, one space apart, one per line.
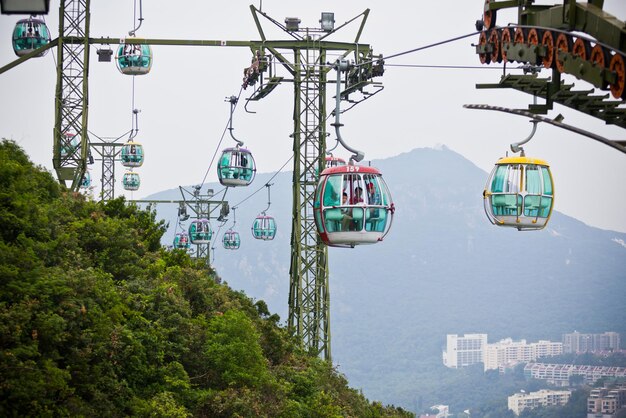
352 206
519 193
231 240
236 167
134 59
30 34
200 231
131 181
264 227
181 241
132 154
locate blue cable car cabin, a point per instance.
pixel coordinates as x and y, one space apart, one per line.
181 241
134 59
28 35
264 227
131 181
519 193
231 240
86 181
200 231
352 206
236 167
132 154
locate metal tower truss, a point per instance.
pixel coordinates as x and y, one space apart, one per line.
200 205
70 129
309 299
107 150
203 208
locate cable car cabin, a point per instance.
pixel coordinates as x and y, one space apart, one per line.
200 231
86 181
132 154
134 59
264 227
131 181
236 167
28 35
352 206
181 241
69 144
231 240
519 193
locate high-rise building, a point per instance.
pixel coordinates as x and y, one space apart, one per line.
508 352
462 351
520 401
577 342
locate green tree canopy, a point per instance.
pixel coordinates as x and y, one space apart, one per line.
96 319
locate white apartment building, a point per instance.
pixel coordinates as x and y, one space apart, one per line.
462 351
508 352
520 401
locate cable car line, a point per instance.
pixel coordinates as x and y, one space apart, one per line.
453 67
261 188
217 148
410 51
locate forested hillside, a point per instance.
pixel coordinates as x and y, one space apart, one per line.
96 319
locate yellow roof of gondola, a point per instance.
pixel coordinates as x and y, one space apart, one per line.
522 160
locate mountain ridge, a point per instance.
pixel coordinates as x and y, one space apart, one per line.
442 269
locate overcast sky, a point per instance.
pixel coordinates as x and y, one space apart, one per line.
183 112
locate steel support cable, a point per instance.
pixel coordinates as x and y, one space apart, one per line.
410 51
261 188
216 235
453 67
217 148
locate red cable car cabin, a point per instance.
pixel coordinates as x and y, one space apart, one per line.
352 206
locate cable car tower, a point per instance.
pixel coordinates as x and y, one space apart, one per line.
71 92
305 56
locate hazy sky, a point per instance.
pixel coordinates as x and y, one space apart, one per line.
183 112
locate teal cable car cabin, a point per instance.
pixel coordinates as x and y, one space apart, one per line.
200 231
231 240
29 35
131 181
134 59
236 167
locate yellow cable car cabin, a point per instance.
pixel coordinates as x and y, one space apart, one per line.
519 193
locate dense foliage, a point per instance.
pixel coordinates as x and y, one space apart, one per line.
98 320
